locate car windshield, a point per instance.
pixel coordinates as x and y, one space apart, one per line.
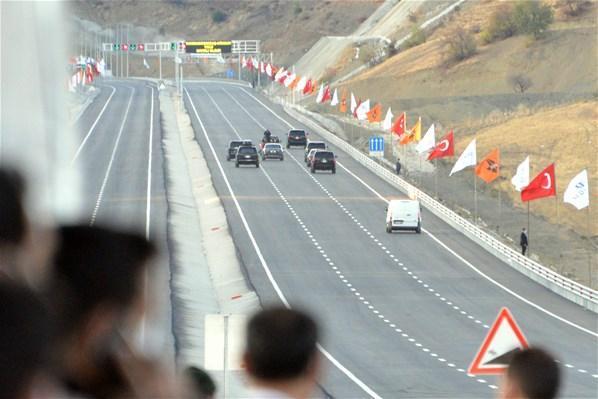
324 155
234 144
273 146
297 133
317 145
246 150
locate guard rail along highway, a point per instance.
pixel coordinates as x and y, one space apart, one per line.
557 283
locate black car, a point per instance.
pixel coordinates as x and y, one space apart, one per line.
323 160
272 151
296 137
247 155
320 145
232 149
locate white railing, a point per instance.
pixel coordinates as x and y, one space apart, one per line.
561 285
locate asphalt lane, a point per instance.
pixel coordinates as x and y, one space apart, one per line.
435 300
117 160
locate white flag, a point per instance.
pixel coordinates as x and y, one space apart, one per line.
521 178
334 101
468 158
145 64
427 142
244 62
279 73
387 124
301 84
320 94
362 110
578 191
269 70
289 80
353 103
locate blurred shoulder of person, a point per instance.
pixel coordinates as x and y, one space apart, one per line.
281 356
532 373
199 384
25 340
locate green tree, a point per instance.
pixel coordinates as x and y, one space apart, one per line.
219 16
502 25
417 37
532 17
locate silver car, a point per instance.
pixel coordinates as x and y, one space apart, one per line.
272 151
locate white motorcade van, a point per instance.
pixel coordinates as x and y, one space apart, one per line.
403 214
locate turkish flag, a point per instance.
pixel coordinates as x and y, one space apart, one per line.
307 88
375 114
543 185
444 148
283 77
398 127
326 96
343 107
489 168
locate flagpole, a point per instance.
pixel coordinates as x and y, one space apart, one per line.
436 178
499 210
528 232
589 250
475 199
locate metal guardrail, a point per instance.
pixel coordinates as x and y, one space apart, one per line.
557 283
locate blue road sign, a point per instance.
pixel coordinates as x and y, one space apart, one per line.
376 145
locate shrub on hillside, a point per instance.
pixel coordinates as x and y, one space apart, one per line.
460 45
297 9
573 8
501 26
417 37
219 16
519 82
532 17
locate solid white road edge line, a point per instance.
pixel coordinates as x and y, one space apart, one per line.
122 126
93 125
149 169
265 266
442 244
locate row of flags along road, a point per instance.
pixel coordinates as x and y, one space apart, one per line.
488 169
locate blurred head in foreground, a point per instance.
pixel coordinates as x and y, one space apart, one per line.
95 289
281 354
201 384
532 374
25 333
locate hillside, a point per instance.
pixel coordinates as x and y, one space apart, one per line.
287 28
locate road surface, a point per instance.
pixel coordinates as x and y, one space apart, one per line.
403 314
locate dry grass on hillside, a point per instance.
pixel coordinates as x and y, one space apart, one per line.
567 135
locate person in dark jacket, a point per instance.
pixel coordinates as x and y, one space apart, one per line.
398 166
523 241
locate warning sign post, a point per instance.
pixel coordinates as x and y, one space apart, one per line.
503 340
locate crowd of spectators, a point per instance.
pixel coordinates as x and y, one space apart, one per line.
71 303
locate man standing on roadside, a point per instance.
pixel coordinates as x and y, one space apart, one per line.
523 241
398 166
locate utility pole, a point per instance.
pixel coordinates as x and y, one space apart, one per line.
160 63
128 49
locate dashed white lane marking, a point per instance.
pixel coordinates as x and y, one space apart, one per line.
346 211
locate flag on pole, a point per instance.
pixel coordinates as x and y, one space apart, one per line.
283 77
326 96
244 62
353 104
578 191
398 127
294 83
279 72
444 148
387 124
314 87
334 101
145 64
375 114
521 178
301 84
428 142
543 185
467 158
414 134
289 79
269 70
250 63
320 96
489 168
307 88
343 107
362 110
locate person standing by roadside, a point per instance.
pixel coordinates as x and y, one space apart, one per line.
398 166
523 241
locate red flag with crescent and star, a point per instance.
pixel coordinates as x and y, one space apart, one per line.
444 148
543 185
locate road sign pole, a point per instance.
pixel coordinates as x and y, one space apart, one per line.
160 64
128 51
239 67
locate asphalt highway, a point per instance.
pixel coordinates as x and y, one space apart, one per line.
403 314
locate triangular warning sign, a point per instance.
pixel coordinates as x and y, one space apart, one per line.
503 340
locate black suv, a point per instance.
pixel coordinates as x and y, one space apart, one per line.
232 149
296 137
320 145
247 155
323 160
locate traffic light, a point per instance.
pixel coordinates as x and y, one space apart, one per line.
115 47
132 47
182 46
173 46
124 47
141 47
